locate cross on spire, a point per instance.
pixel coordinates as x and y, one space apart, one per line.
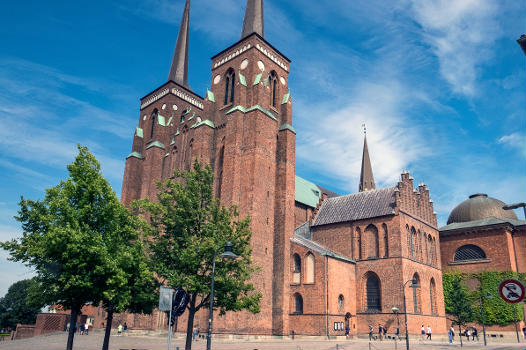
179 67
253 22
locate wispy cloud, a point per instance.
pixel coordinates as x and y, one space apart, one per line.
461 34
515 141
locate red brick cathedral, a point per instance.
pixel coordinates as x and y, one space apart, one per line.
327 261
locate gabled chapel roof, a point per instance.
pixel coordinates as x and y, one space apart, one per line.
356 206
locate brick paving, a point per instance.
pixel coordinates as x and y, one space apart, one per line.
57 341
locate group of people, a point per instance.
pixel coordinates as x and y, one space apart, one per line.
468 332
382 332
121 328
425 332
83 329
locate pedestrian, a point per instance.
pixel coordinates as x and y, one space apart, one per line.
452 330
67 327
450 335
86 328
198 331
194 334
385 332
119 329
468 334
423 332
380 332
125 328
475 333
428 332
347 331
397 333
370 332
81 329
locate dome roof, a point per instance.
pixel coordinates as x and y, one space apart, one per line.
479 206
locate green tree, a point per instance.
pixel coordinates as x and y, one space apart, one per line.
188 225
457 300
69 239
17 306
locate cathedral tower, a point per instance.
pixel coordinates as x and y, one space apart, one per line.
243 129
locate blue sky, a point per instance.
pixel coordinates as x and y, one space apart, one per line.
439 83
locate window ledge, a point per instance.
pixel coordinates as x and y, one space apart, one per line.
466 262
309 283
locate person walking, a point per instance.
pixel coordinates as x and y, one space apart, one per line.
428 332
86 328
450 335
347 331
194 334
370 332
423 332
119 329
380 332
475 333
468 334
452 330
397 333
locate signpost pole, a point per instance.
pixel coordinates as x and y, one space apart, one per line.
170 325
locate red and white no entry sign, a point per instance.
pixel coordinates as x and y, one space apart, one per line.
512 291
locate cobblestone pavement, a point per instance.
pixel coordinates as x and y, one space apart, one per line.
57 341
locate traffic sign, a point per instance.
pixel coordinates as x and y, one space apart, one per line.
512 291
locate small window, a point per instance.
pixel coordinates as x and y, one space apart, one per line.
230 81
296 275
298 304
274 86
182 118
154 121
469 253
341 303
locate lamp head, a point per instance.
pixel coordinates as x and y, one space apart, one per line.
394 309
228 253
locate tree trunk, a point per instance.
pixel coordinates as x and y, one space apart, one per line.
460 334
72 327
107 332
190 324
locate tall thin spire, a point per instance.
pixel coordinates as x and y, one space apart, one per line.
366 175
179 68
253 22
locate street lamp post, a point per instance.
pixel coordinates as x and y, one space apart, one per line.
227 254
414 284
482 314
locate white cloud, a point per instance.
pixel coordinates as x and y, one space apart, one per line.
330 141
461 34
516 141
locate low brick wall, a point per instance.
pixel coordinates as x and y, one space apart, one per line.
24 331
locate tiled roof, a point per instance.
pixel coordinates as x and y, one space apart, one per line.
316 248
357 206
480 223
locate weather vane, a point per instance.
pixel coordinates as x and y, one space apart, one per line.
364 129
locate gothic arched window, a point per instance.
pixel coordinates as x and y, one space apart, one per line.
230 80
432 296
297 269
298 304
154 121
273 79
371 237
341 302
386 241
416 294
309 268
469 252
412 234
372 291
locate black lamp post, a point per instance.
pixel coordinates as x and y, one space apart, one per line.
227 254
414 284
397 333
522 43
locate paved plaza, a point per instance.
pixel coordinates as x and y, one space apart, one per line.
57 341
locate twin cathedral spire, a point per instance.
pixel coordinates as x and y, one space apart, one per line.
253 23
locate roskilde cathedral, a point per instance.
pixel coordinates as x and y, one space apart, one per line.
326 261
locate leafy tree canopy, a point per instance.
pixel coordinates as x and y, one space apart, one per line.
17 306
187 226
